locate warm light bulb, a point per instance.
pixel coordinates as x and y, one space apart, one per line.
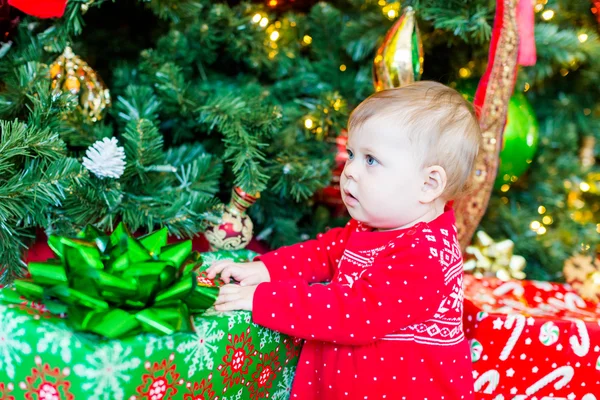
535 225
307 39
505 188
274 35
308 123
542 230
547 220
342 67
256 19
582 37
548 15
264 22
541 209
584 186
464 72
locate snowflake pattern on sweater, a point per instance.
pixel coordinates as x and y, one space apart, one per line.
389 325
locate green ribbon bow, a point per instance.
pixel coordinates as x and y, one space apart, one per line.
118 285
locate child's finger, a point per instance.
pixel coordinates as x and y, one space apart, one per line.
228 272
227 297
216 268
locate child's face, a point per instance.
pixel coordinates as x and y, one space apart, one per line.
382 183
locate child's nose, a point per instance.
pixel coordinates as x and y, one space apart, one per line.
350 170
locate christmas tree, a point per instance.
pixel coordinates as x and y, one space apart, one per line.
177 102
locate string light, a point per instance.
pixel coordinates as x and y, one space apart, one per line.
547 220
273 3
342 67
505 188
584 186
308 123
381 3
538 8
527 87
542 230
535 225
264 22
256 19
307 40
274 35
564 71
337 104
391 11
598 228
541 209
464 72
548 15
582 37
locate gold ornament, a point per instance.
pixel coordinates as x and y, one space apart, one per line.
582 272
489 258
70 73
499 84
234 230
399 59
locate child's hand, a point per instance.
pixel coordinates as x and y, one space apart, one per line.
246 274
235 297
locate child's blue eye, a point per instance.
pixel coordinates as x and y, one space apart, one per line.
350 154
371 160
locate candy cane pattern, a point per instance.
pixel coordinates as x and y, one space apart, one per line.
580 347
574 302
514 287
543 285
491 377
564 373
515 335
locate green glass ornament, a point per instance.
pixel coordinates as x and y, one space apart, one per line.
520 141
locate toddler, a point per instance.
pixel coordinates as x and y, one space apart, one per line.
389 323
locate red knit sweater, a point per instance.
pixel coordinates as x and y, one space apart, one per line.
388 326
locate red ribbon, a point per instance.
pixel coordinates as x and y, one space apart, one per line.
41 8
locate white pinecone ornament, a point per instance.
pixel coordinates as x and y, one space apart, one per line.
105 159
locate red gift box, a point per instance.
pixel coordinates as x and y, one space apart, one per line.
532 340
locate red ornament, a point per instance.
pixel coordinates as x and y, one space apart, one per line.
331 195
596 9
234 232
41 8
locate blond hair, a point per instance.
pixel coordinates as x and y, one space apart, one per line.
439 123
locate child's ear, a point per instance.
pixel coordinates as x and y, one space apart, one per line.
434 185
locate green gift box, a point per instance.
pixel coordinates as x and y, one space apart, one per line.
221 356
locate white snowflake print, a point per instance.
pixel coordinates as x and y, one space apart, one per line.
154 343
200 348
105 369
234 317
237 396
57 338
284 386
12 343
267 336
